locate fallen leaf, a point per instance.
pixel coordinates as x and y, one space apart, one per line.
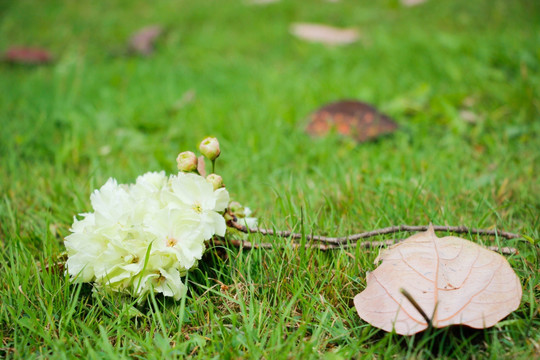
186 98
453 280
469 116
262 2
412 2
351 118
143 40
27 56
324 34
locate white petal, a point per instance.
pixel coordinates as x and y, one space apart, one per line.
218 223
172 284
222 199
249 222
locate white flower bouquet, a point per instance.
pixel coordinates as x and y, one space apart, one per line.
145 236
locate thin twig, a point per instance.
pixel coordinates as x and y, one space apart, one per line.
368 234
324 247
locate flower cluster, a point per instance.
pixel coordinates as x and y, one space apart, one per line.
144 236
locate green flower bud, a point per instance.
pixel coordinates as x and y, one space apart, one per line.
210 148
237 209
215 180
187 161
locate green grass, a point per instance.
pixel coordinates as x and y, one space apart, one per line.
69 126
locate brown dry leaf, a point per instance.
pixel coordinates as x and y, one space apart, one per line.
27 55
324 34
351 118
466 284
143 40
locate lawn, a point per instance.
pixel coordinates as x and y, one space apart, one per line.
234 71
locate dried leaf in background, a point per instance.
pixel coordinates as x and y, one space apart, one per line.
453 280
412 2
351 118
187 98
262 2
27 56
324 34
143 40
469 116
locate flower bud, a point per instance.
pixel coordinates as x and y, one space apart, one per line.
210 148
187 161
215 180
237 209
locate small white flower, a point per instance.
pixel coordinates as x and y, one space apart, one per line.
160 280
197 197
151 182
177 234
112 204
243 215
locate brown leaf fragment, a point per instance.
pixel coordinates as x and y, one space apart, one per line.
454 281
143 40
55 265
324 33
27 55
350 118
